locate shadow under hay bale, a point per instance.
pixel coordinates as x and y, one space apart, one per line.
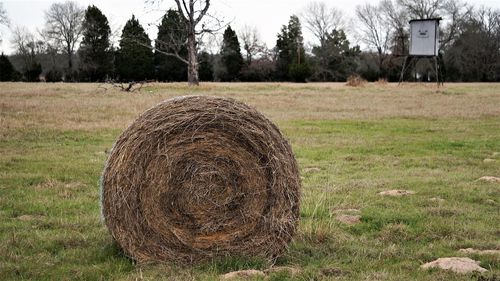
196 178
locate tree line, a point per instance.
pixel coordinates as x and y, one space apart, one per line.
76 46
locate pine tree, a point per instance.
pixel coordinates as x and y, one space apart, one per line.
231 57
205 69
291 64
134 60
7 71
170 68
95 50
335 59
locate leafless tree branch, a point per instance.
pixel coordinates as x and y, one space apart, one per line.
321 20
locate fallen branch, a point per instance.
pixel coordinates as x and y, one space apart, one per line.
129 87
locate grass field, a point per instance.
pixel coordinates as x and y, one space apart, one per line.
351 144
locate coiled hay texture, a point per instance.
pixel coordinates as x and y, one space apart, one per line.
196 178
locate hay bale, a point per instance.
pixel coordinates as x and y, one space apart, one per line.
356 80
195 178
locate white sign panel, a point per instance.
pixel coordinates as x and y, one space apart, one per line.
424 40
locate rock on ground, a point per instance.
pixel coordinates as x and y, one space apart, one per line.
436 199
489 179
30 217
455 264
396 192
349 219
331 271
242 274
488 160
345 211
479 252
312 170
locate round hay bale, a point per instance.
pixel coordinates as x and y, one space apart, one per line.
195 178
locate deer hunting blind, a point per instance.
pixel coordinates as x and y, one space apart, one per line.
424 43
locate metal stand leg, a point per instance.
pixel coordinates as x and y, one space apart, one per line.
437 69
403 70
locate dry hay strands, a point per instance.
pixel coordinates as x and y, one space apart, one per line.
356 81
195 178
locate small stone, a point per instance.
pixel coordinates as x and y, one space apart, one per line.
349 219
455 264
396 192
491 201
242 274
345 211
29 217
312 170
291 270
436 199
479 252
331 271
488 160
489 179
26 218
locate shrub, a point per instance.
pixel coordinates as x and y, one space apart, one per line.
299 72
54 75
356 81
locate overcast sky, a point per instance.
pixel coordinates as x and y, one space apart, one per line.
267 15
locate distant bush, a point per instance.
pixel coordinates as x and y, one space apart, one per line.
72 76
54 75
382 81
299 72
32 73
356 81
7 70
259 70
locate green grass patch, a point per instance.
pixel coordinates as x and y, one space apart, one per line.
50 224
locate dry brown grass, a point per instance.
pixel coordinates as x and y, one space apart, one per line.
356 81
66 106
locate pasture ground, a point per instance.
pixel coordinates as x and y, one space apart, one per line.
351 144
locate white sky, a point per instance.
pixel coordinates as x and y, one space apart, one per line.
267 15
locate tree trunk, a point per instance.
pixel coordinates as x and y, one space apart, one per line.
70 59
193 79
381 73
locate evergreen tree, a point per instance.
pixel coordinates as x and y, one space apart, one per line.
95 50
7 71
231 57
167 67
134 60
205 70
32 72
291 64
335 59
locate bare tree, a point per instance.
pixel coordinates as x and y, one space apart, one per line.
193 14
26 43
373 30
321 20
63 25
394 15
4 20
422 9
455 11
52 48
396 18
28 47
252 44
452 11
